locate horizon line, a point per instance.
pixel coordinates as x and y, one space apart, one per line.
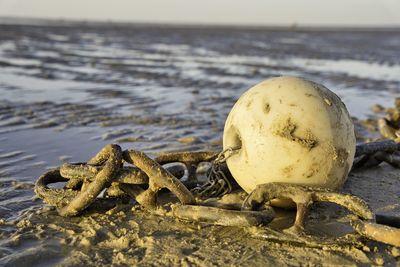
35 21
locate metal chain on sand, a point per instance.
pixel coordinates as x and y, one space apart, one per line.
132 174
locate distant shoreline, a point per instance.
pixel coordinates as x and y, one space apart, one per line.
17 21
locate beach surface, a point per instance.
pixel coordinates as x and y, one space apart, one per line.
68 90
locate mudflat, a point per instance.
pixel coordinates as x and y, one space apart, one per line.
66 90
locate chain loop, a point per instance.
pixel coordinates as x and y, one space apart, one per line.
218 183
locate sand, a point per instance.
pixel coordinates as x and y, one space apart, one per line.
128 235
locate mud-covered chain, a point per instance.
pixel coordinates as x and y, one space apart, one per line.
144 177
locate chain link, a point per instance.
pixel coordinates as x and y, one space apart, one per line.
221 158
218 183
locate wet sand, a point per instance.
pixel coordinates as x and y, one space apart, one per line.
66 91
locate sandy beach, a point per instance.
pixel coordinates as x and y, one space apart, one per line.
68 90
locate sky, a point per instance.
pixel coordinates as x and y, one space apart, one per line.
376 13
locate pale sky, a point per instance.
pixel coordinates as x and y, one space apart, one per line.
224 12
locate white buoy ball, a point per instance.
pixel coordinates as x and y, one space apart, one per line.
289 130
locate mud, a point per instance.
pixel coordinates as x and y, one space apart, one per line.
68 90
287 130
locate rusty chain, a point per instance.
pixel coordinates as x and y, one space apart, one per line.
132 174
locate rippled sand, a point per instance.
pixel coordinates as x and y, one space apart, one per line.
65 91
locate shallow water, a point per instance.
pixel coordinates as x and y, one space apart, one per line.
65 91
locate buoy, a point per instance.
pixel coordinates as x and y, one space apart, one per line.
289 130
